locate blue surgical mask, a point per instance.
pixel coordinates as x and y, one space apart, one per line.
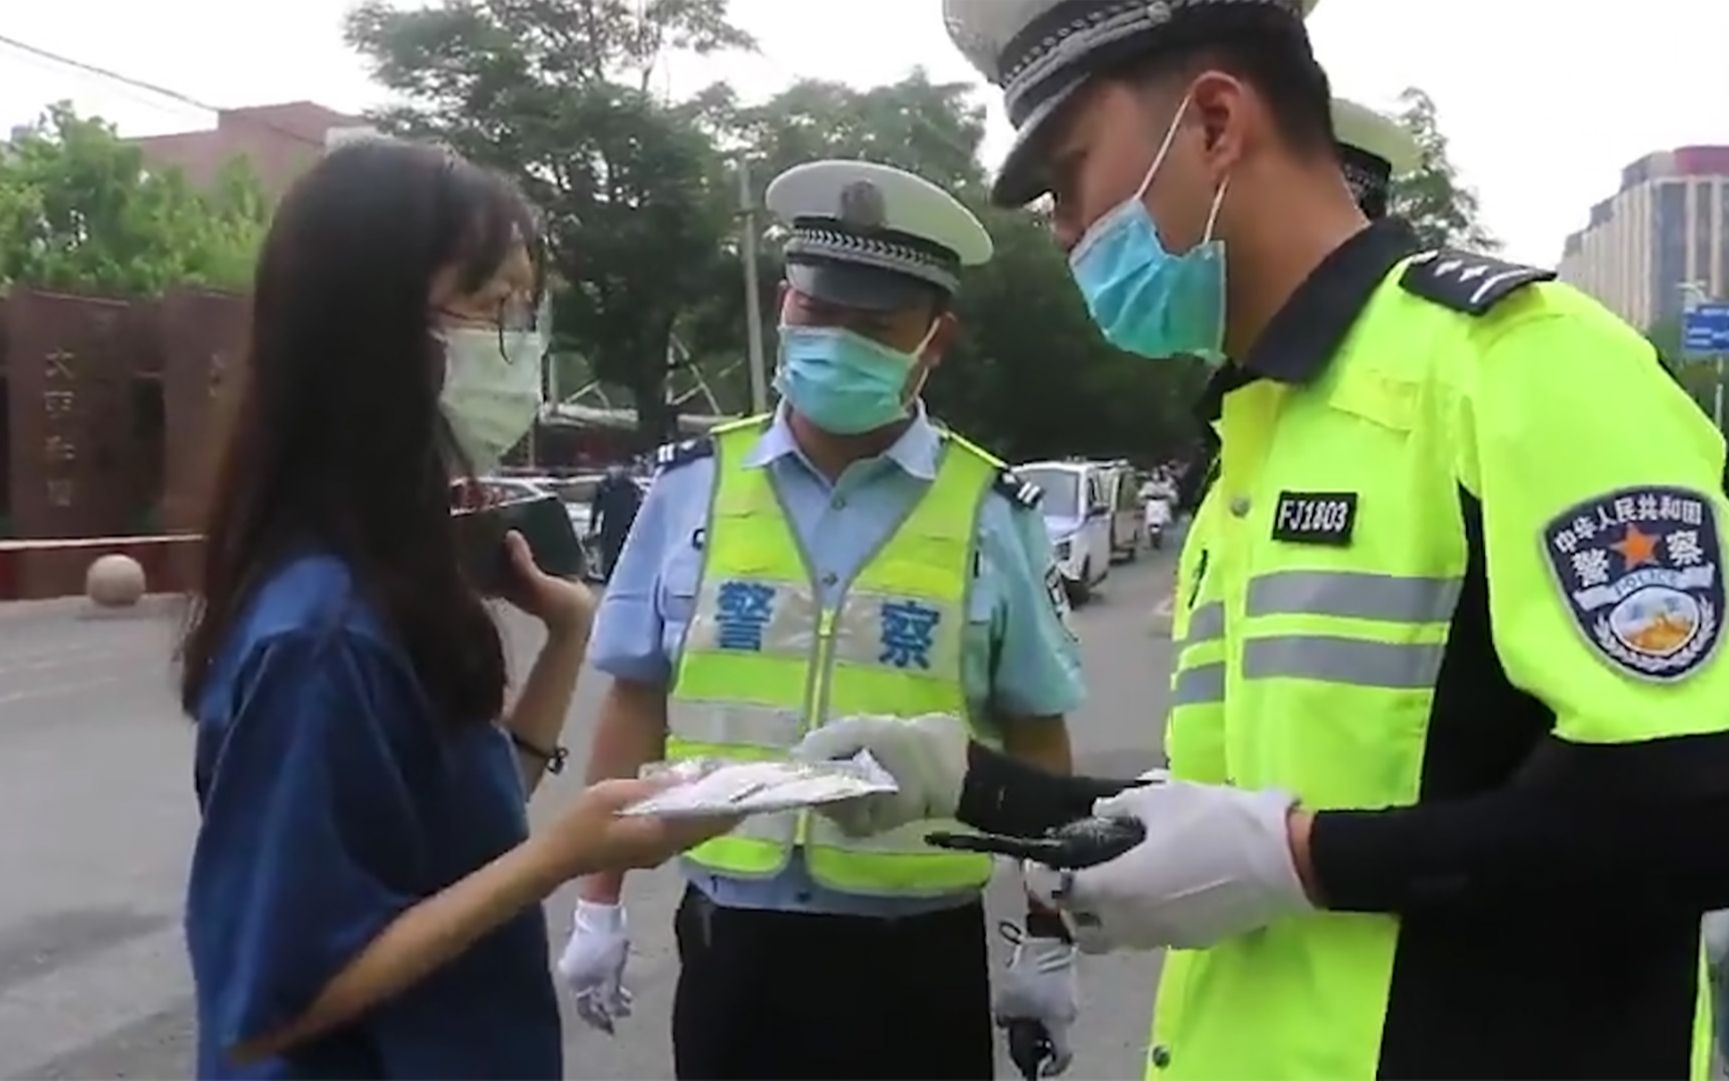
1145 299
844 382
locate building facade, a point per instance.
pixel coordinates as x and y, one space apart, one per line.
1663 235
279 142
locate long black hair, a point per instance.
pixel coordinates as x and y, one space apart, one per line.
336 439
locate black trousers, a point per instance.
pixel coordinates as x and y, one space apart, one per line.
787 995
611 545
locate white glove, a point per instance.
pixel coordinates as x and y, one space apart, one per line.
1040 985
1216 863
926 755
1714 930
593 964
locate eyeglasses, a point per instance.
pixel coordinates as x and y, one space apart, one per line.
513 315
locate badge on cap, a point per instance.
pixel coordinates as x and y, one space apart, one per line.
1641 570
861 205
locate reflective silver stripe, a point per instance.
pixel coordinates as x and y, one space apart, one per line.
906 634
1198 685
1343 660
734 723
782 621
1206 623
1354 595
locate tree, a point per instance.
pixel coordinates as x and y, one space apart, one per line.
553 92
79 209
926 128
1698 377
1440 207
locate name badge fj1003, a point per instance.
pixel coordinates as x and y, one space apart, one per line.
1641 570
1315 518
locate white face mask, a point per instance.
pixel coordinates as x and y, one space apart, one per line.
491 389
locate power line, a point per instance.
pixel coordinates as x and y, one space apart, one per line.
172 95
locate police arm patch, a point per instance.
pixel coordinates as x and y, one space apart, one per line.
1640 569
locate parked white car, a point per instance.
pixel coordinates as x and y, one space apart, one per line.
1078 518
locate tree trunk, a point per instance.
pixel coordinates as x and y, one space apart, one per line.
656 420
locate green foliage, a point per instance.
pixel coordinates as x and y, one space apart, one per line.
927 128
1699 377
79 210
553 93
1442 209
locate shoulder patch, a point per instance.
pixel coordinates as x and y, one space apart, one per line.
1467 282
673 455
1641 572
1020 492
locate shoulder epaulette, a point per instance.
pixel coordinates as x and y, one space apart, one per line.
673 455
1467 282
1017 491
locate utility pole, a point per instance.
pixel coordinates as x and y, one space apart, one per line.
752 299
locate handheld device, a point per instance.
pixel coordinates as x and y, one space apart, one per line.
543 523
1082 843
1029 1047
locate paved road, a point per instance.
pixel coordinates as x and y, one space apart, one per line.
95 795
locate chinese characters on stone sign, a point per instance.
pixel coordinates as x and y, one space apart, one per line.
60 444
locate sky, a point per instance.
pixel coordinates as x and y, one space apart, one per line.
1544 101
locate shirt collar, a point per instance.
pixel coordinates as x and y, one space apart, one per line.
1302 336
915 452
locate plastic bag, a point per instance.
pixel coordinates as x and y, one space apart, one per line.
710 786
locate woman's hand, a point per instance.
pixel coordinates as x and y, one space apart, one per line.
563 605
592 836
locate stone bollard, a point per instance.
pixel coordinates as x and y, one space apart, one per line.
114 581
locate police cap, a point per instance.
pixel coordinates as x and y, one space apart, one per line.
1374 149
1041 51
872 236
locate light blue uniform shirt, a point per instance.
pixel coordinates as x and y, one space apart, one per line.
1018 658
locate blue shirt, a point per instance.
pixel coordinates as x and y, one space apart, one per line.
331 802
1018 658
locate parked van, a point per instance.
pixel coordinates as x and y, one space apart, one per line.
1128 521
1078 518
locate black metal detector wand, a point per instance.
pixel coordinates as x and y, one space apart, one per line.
1083 843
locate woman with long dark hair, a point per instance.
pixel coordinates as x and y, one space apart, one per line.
364 891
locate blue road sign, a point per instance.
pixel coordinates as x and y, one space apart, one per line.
1705 330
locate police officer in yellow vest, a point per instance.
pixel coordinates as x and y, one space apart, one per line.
1449 762
844 556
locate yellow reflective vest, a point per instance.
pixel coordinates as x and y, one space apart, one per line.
1477 448
763 662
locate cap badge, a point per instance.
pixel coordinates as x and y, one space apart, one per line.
861 205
